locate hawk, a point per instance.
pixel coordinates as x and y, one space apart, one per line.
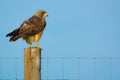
30 30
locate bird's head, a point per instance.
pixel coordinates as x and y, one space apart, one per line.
41 13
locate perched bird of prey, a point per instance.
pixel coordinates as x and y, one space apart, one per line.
30 30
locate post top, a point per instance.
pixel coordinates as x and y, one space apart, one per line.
33 48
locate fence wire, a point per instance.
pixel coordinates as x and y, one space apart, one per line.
65 68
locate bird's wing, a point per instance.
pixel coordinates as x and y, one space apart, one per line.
32 26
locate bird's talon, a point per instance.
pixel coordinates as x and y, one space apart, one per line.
37 46
31 46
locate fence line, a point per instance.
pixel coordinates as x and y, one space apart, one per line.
65 58
64 68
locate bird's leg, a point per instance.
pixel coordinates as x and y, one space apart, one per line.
37 38
37 45
31 45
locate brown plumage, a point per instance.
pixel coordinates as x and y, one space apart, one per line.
31 29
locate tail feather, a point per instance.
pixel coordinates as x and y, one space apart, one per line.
14 38
14 35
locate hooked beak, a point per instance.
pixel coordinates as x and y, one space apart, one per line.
45 15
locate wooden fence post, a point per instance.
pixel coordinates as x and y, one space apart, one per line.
32 64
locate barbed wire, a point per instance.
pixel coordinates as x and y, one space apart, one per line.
65 57
61 61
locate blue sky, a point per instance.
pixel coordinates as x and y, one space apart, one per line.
74 27
84 28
